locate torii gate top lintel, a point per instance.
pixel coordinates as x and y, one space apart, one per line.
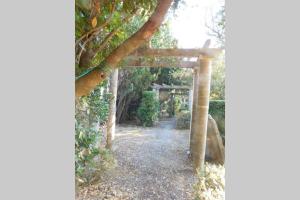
205 52
170 87
133 60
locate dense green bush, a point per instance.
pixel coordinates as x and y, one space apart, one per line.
131 85
217 111
183 119
177 104
149 108
85 149
90 113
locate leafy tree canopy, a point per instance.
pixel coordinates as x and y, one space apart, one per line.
102 25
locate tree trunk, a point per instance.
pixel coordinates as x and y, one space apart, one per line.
199 137
89 81
111 122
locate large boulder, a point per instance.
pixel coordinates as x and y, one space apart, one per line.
215 151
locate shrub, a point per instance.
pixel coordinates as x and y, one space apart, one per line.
149 108
183 119
85 149
180 105
217 111
91 111
211 186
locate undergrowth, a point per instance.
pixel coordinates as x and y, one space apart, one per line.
212 185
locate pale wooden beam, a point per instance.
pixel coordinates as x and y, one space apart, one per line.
166 64
207 52
170 87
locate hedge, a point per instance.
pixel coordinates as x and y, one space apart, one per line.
217 111
148 109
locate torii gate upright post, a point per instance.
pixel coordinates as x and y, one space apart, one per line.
194 103
111 121
201 114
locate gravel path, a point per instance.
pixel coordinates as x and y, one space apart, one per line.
152 163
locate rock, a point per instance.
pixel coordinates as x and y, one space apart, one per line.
214 146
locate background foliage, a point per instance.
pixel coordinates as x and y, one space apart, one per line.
218 79
149 108
183 120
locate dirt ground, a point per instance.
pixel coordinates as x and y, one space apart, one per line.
152 163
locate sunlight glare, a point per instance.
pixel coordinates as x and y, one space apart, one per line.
189 26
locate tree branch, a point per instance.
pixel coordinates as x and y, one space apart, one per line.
90 80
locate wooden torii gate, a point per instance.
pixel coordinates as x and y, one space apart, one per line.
201 90
172 88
